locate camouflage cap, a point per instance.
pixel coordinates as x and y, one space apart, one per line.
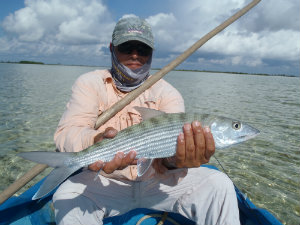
132 29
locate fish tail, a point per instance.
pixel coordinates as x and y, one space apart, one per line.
56 177
62 169
53 159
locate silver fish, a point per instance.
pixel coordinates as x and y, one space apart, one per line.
155 137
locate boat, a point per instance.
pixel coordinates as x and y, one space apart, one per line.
22 210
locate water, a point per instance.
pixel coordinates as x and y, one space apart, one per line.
33 98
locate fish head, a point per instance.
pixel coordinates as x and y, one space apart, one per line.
227 132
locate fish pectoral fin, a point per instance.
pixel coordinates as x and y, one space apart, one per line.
143 165
147 113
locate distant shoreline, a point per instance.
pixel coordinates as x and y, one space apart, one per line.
205 71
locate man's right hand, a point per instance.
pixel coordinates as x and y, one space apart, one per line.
120 161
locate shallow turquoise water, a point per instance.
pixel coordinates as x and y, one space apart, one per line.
33 98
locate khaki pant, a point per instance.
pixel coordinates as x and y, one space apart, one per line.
205 196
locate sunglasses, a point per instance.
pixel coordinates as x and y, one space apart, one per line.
129 47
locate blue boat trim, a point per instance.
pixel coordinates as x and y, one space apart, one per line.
22 210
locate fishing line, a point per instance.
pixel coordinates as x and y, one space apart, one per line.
222 167
239 192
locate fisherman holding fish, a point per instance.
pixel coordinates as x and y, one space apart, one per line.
175 184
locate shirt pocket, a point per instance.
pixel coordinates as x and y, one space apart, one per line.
150 101
151 104
134 117
110 123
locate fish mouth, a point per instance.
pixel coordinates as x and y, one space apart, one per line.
250 136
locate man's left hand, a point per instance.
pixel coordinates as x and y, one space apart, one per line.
195 146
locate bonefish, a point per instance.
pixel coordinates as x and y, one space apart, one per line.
155 137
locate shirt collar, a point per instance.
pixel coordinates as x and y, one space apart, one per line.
107 78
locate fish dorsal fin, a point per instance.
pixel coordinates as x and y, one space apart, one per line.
147 113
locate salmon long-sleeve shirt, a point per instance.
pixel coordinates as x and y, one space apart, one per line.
95 92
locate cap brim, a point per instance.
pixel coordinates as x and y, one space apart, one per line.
132 38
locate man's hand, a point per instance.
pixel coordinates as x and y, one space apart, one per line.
120 161
195 146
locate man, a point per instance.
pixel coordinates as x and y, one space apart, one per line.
174 184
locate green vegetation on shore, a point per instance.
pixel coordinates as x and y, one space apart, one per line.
238 73
25 62
30 62
212 71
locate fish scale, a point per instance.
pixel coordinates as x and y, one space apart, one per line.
153 138
151 143
156 139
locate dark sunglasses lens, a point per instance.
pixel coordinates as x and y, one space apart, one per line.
124 48
142 49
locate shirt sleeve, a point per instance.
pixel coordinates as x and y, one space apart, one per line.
75 130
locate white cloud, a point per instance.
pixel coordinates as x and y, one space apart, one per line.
232 61
273 16
236 60
164 28
25 24
269 31
82 28
53 26
279 45
128 16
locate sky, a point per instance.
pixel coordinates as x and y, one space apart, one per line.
77 32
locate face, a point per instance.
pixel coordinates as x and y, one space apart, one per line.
133 54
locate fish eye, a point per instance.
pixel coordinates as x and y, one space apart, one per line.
236 125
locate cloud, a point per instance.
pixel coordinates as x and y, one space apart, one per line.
283 15
54 27
268 32
25 24
164 29
236 60
65 21
275 45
